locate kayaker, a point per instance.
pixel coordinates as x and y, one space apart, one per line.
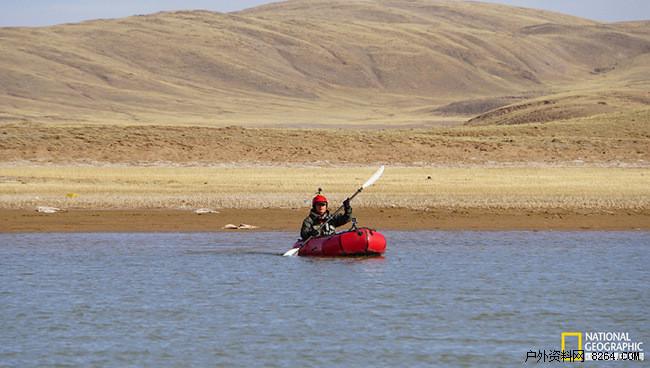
319 214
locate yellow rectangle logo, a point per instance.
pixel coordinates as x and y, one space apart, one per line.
564 335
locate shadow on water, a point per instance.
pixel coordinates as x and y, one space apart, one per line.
274 252
346 259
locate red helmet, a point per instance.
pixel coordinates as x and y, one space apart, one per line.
318 198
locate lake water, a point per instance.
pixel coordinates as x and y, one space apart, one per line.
230 300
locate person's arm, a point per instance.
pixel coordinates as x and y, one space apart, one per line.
342 218
307 227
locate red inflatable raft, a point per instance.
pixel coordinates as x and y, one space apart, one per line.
356 242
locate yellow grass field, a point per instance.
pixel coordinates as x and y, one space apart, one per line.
129 187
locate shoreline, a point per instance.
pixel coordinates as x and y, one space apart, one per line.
389 219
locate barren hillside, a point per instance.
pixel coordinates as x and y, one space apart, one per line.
317 64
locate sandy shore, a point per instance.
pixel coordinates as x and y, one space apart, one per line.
19 221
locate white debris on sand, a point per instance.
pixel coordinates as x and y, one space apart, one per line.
245 226
43 209
240 227
202 211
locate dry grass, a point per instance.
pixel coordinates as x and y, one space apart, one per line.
620 138
310 64
527 188
566 106
169 88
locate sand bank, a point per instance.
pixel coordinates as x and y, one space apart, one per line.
19 221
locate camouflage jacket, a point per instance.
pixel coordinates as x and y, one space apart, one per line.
313 221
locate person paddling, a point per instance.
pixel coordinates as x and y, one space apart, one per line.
319 214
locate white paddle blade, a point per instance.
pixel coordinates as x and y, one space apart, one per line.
373 178
291 252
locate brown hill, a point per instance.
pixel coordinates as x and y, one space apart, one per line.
313 63
564 107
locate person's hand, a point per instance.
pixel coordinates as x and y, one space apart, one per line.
346 204
314 232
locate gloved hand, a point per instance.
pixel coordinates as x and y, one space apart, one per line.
346 204
314 232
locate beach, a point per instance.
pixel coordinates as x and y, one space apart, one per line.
163 220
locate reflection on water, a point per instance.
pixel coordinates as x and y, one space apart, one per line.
434 299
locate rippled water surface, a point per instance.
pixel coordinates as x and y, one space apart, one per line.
230 299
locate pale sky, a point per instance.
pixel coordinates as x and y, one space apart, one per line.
18 13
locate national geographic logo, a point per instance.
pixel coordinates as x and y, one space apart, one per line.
603 345
591 346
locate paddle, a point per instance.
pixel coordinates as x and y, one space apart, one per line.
294 251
